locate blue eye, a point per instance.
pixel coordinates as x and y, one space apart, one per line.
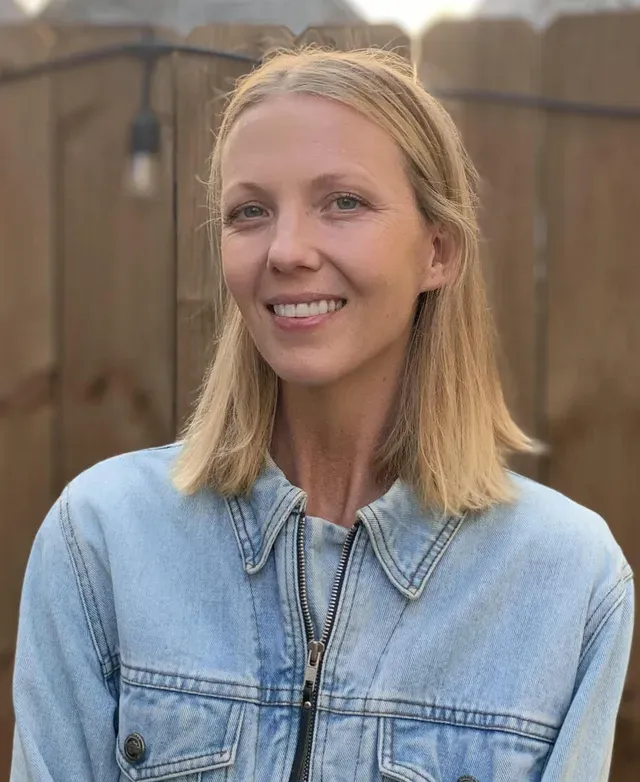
250 211
347 203
247 212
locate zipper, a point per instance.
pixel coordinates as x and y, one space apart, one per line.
315 648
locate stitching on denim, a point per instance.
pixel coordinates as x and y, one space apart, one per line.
440 721
234 722
275 515
233 502
437 549
394 764
626 575
290 581
605 619
391 764
180 689
203 680
380 533
434 706
260 662
223 754
348 619
213 696
375 671
344 635
237 533
68 532
412 770
324 747
354 592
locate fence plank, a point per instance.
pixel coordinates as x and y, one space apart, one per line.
27 350
346 37
502 140
593 203
202 85
117 257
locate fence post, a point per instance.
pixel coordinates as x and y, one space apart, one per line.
358 36
593 203
504 143
27 345
202 85
115 258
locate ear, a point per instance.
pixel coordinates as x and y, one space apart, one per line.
440 259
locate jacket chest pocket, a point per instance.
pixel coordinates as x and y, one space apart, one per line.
419 751
188 737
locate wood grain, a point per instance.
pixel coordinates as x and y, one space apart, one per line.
116 258
503 142
593 202
28 356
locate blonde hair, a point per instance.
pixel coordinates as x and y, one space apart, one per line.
452 431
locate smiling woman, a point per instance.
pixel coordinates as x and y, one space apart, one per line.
332 575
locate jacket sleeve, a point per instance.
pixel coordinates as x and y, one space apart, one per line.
584 746
63 695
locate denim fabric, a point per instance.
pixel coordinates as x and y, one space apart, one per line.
490 648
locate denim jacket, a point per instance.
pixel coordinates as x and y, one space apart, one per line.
165 636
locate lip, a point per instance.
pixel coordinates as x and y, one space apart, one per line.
302 298
302 324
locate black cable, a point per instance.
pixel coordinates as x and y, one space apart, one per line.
552 105
153 48
147 48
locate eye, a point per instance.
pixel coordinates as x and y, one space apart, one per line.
348 202
245 212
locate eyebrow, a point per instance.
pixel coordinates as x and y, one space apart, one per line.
330 179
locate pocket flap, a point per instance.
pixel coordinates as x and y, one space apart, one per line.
399 752
164 733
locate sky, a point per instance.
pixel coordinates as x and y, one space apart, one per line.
411 14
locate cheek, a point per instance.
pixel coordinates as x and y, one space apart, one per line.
240 273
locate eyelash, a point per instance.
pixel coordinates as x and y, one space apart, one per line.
235 213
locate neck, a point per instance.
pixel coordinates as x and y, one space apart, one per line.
325 441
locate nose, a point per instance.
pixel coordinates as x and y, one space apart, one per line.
292 243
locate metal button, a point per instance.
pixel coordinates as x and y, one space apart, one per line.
134 748
467 778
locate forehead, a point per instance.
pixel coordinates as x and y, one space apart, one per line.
297 133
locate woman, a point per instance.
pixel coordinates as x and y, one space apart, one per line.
333 576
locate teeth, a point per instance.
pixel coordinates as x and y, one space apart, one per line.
308 310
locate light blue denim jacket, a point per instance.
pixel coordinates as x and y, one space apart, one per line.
163 637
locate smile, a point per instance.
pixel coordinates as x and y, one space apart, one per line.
307 309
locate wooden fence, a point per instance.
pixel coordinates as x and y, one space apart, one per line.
106 309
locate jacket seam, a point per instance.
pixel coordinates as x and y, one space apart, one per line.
375 670
437 546
625 575
260 662
110 663
154 672
454 723
605 619
466 712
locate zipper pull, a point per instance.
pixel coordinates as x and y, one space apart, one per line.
314 658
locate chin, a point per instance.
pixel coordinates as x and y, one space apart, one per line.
308 375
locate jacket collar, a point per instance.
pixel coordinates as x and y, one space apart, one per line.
407 540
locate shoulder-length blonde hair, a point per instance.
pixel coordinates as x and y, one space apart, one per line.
451 431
